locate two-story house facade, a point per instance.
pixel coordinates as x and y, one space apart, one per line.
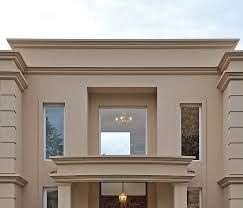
121 123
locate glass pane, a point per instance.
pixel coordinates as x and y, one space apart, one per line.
190 131
131 189
123 131
193 198
54 126
115 143
52 200
136 195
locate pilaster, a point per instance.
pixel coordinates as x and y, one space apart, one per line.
180 195
64 195
12 84
231 85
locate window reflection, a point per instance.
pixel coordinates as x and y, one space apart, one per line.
190 130
54 130
51 198
123 131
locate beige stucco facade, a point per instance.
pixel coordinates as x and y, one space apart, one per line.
86 74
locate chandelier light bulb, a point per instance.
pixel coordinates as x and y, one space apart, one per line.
123 119
123 197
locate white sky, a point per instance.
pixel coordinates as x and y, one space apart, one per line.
120 19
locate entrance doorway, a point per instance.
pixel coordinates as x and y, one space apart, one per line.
136 195
132 202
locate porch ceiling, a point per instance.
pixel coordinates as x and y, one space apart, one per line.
122 168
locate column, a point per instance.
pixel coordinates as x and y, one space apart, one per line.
180 195
64 195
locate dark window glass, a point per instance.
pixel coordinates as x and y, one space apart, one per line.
193 198
52 200
190 131
54 130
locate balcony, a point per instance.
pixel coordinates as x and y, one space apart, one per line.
122 168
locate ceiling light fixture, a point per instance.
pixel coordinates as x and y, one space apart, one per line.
123 119
122 196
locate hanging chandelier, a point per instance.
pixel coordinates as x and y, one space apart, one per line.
123 119
122 196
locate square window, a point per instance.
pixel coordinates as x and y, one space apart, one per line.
123 131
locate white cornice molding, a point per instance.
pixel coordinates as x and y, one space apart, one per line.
124 178
17 76
14 75
184 160
227 77
228 57
122 71
138 169
12 178
124 43
14 56
228 180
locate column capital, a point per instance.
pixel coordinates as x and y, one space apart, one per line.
228 180
181 184
231 66
12 67
64 184
226 77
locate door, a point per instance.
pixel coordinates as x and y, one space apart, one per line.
136 195
132 202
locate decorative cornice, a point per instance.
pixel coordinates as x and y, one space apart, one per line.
15 75
184 160
228 180
13 178
122 71
14 56
124 178
227 77
228 57
124 43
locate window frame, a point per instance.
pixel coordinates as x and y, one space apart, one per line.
124 107
200 192
200 105
54 104
45 190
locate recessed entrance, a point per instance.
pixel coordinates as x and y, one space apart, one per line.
132 202
136 195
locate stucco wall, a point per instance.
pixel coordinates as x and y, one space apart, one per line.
171 90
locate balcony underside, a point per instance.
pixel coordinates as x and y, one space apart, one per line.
122 168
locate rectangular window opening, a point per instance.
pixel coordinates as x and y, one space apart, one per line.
50 198
53 130
123 131
191 130
194 197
